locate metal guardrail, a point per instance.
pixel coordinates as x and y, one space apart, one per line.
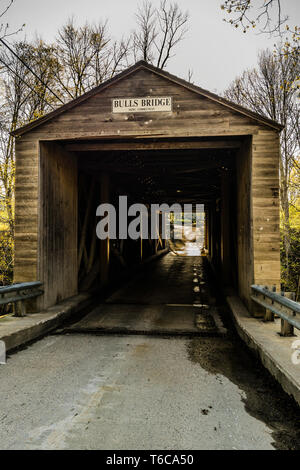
280 305
18 293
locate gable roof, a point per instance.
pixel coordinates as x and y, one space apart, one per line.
145 65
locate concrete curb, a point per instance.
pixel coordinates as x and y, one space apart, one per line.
273 351
17 332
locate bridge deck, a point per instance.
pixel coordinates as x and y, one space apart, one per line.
171 296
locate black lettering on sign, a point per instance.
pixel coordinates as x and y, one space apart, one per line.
143 104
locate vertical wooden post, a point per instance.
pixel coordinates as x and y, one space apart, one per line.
104 244
206 230
160 241
212 224
209 220
141 229
172 234
225 228
20 309
269 316
286 328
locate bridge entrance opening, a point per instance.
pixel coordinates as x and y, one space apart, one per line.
212 174
201 173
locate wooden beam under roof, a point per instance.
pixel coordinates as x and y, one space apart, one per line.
184 174
158 145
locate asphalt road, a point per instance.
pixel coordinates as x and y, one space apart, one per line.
137 392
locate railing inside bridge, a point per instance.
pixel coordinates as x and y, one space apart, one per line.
17 294
278 304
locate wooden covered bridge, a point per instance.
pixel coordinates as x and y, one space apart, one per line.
155 138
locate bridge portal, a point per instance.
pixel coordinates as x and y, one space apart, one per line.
155 138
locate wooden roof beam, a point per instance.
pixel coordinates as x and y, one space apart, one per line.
134 145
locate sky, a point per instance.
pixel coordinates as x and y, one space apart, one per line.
212 49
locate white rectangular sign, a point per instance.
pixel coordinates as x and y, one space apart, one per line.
142 105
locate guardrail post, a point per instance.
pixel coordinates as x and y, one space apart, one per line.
258 311
286 328
20 309
269 316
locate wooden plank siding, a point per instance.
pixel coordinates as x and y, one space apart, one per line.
57 261
244 221
265 208
93 117
26 210
193 115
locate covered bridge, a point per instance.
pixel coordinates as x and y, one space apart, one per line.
156 138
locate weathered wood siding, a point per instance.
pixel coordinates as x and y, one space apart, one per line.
258 212
192 114
244 220
57 266
26 210
265 208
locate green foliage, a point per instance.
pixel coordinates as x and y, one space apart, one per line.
290 275
6 258
6 265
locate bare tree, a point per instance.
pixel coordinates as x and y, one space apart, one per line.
159 31
247 14
4 26
23 98
190 75
144 37
269 15
86 56
76 48
117 59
